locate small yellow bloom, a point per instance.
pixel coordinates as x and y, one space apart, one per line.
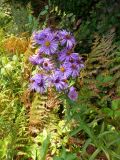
62 69
47 43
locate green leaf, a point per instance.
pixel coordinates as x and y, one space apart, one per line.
116 104
57 158
66 155
105 133
106 152
114 142
117 113
88 141
86 128
42 13
75 131
95 154
115 155
46 7
102 127
108 111
44 148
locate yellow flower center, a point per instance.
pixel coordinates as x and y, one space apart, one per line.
69 53
64 80
68 36
47 43
62 69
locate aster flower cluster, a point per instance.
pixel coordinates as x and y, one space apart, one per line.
57 62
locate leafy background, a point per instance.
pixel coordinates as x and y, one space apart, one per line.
45 127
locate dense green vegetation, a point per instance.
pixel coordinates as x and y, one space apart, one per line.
50 127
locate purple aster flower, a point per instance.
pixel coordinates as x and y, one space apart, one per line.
39 83
80 62
49 45
36 78
59 82
64 70
73 58
57 35
47 64
66 55
73 95
36 59
47 31
54 44
67 38
75 69
33 86
38 37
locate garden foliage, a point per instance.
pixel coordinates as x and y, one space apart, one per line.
52 125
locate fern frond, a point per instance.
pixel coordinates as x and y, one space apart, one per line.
15 44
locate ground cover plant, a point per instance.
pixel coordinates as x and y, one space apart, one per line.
59 80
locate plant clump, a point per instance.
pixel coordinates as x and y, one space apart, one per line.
57 62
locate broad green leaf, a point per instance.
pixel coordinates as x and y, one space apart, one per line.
44 148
